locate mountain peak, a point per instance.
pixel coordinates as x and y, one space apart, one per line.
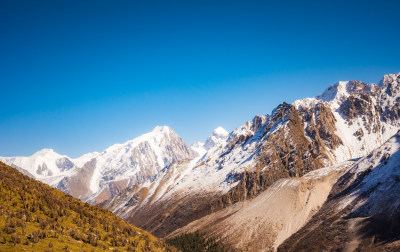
387 79
220 132
197 144
334 91
216 137
44 152
161 129
343 89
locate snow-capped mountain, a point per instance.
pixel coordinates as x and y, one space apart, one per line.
347 121
160 184
362 210
100 175
351 206
47 165
217 137
271 217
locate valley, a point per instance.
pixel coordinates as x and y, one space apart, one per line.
271 184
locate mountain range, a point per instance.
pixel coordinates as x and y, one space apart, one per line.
273 183
101 175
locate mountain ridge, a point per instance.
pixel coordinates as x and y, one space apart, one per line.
128 163
347 121
295 139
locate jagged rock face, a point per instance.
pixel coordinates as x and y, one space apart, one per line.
345 122
137 161
322 127
361 213
277 158
78 184
262 223
288 149
391 83
287 152
43 170
64 164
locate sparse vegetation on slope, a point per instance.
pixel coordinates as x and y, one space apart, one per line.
37 217
195 242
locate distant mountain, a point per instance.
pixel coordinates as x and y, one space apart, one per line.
362 211
99 176
37 217
347 121
47 165
217 137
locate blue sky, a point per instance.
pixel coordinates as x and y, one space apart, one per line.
78 76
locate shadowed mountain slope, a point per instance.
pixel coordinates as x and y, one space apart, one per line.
362 212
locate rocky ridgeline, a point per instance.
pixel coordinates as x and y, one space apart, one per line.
159 183
347 121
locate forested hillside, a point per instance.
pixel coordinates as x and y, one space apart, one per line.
37 217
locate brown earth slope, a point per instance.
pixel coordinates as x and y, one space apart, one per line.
362 212
262 223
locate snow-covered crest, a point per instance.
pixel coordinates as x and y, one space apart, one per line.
217 137
132 162
139 160
216 171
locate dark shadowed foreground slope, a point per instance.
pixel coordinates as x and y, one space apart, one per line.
36 217
362 212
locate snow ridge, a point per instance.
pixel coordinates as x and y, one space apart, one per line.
131 162
215 170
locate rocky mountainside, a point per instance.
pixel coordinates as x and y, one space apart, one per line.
263 223
160 184
98 176
37 217
362 211
352 206
347 121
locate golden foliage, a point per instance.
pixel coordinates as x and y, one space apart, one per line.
35 216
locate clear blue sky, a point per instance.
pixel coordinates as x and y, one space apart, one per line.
78 76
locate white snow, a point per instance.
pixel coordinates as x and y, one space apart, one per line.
215 168
42 165
147 160
376 174
135 160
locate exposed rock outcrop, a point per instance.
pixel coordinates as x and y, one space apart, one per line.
347 121
361 213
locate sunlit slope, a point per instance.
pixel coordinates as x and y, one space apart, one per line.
35 216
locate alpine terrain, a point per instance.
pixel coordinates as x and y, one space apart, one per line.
347 121
320 170
99 176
